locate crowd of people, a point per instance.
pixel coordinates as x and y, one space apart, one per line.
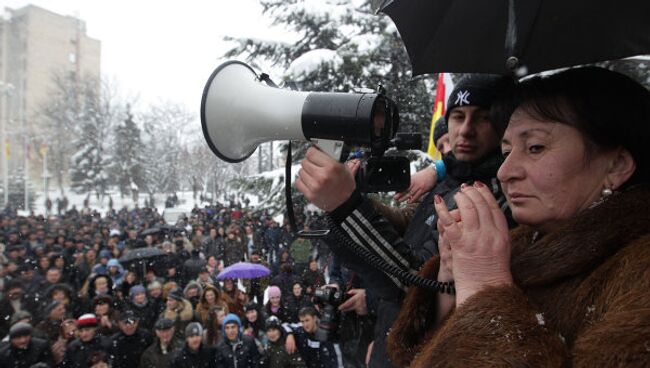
72 298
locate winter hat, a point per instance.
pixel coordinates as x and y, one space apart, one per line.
50 307
113 263
273 322
137 289
104 253
163 324
128 316
231 318
20 329
478 90
273 291
114 232
193 329
250 306
154 285
20 315
87 320
440 129
193 285
176 294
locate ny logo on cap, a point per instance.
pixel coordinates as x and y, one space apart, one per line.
462 98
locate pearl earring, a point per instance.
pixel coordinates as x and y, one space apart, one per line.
606 192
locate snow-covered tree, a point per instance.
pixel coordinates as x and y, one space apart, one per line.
128 156
89 163
342 46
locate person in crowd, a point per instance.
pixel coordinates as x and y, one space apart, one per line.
193 292
237 350
159 354
179 310
254 322
213 332
128 345
205 278
142 307
129 280
234 297
50 326
193 266
257 285
571 282
87 342
12 302
107 315
210 299
155 296
195 354
313 277
315 353
24 351
234 247
276 353
285 279
295 302
66 335
274 306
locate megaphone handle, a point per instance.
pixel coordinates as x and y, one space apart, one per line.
334 149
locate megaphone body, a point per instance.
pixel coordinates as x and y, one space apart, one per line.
239 112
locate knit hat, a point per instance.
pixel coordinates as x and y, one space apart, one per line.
163 324
50 307
87 320
273 322
128 316
250 306
478 90
20 315
273 291
231 318
104 253
20 329
137 289
440 129
193 329
154 285
113 263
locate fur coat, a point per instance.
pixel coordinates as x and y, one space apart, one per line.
581 298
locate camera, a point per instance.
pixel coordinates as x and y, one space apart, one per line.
329 299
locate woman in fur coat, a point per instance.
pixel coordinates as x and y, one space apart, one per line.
571 285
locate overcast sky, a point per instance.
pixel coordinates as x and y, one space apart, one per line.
163 50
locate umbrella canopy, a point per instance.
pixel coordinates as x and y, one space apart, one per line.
139 254
165 229
243 270
520 36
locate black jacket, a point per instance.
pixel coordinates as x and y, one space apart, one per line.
203 358
314 353
241 354
125 351
38 351
78 352
153 357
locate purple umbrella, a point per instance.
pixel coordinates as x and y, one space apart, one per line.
243 270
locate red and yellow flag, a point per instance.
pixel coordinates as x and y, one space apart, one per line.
438 111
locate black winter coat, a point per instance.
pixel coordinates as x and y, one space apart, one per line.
125 351
242 354
37 351
203 358
314 353
78 352
153 356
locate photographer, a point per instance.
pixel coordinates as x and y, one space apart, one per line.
315 353
331 186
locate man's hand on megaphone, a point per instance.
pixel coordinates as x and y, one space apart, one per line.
325 182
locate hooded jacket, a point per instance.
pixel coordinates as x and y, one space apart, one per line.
241 353
580 298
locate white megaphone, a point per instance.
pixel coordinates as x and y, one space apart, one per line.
239 112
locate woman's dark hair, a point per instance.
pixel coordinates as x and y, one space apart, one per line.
609 109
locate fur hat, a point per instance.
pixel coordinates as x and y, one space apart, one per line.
193 329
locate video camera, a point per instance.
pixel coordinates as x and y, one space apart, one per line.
328 298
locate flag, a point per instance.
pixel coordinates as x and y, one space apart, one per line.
443 89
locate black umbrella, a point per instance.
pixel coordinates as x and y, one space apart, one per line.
521 36
142 257
165 229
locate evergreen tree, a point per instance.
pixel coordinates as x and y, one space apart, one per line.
128 155
88 166
343 46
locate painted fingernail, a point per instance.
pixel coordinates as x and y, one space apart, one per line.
437 198
478 184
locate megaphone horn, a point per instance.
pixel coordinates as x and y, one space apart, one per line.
238 113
